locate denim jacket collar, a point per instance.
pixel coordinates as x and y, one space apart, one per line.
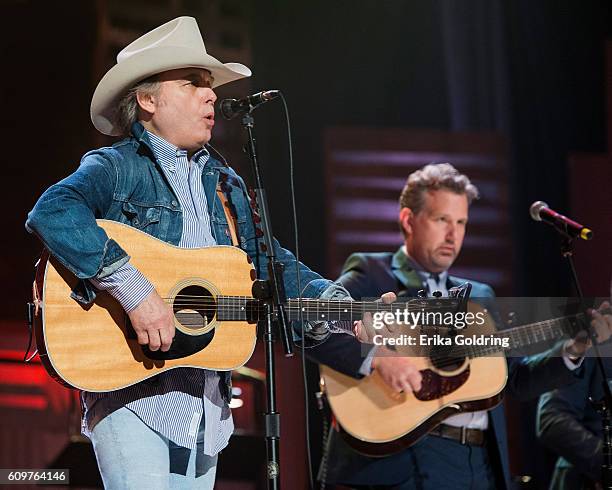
142 137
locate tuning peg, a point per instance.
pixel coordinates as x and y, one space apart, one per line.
422 294
511 318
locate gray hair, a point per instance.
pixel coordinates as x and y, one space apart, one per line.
433 177
128 108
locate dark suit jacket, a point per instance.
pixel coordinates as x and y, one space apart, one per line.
368 275
570 426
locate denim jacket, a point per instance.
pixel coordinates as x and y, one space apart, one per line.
125 183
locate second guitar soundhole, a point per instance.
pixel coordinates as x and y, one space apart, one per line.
194 307
446 358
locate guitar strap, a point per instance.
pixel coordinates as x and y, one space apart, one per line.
231 220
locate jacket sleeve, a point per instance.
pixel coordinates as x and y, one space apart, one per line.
344 353
560 427
355 278
64 219
531 376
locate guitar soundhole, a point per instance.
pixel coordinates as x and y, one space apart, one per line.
444 358
194 307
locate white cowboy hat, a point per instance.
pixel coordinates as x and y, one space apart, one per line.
176 44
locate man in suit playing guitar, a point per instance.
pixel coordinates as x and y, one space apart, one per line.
468 450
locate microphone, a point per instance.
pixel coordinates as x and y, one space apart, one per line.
540 211
230 108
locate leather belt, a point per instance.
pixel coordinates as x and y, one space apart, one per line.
463 435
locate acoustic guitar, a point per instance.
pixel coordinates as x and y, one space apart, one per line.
377 421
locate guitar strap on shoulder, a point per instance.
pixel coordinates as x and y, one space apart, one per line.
231 220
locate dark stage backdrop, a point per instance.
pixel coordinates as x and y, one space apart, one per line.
45 88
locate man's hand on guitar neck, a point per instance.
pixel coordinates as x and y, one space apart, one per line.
601 324
399 372
153 322
364 329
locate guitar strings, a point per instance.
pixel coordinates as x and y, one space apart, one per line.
222 301
221 305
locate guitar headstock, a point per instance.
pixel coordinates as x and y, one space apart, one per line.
433 304
456 301
462 295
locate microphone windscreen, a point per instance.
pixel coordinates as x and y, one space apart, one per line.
227 109
535 209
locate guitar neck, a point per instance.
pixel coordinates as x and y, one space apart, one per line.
530 334
241 308
321 310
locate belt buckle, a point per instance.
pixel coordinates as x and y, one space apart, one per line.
463 435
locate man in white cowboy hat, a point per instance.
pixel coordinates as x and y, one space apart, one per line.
164 432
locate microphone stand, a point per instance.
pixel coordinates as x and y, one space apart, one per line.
603 406
272 293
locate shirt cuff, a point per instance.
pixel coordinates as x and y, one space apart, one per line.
571 364
320 331
366 366
127 285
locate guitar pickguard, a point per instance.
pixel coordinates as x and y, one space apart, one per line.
435 386
182 346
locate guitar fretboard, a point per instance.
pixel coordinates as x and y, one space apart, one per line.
242 308
525 335
344 313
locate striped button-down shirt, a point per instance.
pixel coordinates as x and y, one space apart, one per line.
174 402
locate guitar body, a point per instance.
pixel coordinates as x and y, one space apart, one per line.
377 421
95 348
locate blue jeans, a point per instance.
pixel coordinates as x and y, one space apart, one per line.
132 456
